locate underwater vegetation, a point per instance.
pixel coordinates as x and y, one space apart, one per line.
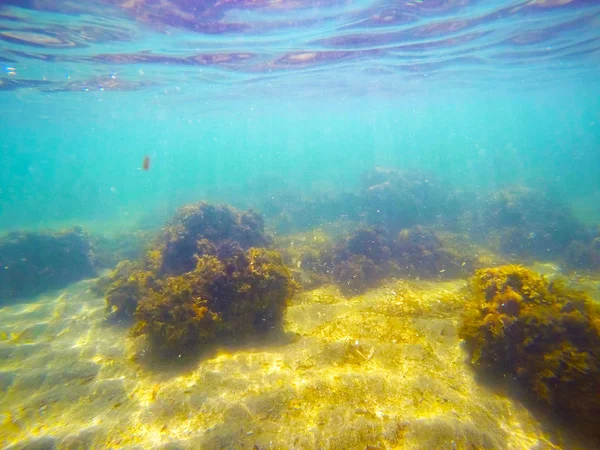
34 262
516 222
126 285
199 224
398 199
109 249
389 198
293 213
205 279
363 257
419 252
584 254
530 223
236 296
540 333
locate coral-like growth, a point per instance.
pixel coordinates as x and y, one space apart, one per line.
370 243
197 230
248 290
544 335
186 235
31 263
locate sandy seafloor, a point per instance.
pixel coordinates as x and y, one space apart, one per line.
383 370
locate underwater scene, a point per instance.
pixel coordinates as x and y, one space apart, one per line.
287 224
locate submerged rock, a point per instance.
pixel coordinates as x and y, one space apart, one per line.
33 262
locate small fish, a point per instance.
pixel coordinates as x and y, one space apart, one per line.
146 163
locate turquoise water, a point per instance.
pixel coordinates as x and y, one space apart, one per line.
234 93
420 174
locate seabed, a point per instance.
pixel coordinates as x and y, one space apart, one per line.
384 370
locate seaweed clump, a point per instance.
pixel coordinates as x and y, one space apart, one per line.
584 254
126 285
370 253
361 259
295 212
232 289
419 252
198 228
34 262
540 333
397 199
531 223
237 296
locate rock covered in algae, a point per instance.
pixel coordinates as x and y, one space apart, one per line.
34 262
186 234
362 258
530 222
231 289
542 334
236 295
125 286
309 256
421 253
397 199
584 254
196 230
370 253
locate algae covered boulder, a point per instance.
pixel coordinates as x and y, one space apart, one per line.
530 222
34 262
125 286
397 199
203 280
584 254
369 254
545 336
235 296
194 225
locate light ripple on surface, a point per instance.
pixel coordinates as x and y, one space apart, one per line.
61 46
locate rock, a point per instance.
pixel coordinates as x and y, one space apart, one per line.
34 262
